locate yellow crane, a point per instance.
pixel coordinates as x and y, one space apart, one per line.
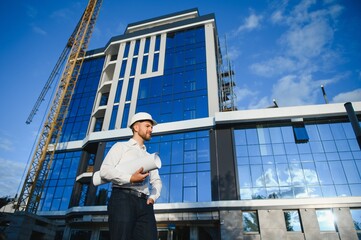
29 197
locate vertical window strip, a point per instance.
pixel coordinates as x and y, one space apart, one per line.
130 89
125 115
144 64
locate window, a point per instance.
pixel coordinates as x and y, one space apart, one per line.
98 124
356 217
126 50
136 47
147 44
292 219
104 99
325 220
250 221
300 133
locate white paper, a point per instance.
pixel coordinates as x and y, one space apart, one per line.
150 162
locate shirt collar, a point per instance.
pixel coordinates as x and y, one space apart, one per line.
133 142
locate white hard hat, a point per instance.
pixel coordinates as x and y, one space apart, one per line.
141 116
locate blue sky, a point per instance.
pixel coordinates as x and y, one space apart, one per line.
279 49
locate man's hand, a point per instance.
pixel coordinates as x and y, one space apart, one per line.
138 176
150 201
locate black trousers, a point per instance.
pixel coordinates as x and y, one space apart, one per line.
130 218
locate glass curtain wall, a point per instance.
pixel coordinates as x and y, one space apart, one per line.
60 182
181 93
272 165
185 170
80 109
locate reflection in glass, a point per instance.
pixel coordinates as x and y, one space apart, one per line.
293 222
328 165
250 221
356 218
325 220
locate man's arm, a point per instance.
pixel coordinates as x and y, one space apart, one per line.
108 169
156 186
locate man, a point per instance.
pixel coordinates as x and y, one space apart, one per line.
130 208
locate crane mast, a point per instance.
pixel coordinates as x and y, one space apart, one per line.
30 195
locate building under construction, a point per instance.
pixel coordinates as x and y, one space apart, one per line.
275 173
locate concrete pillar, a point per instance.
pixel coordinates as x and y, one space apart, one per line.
272 224
310 224
344 223
231 225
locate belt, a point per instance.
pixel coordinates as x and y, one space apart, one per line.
132 192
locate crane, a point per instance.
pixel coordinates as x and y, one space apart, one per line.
29 197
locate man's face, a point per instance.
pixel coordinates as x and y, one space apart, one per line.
144 129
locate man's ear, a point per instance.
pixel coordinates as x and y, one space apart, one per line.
136 127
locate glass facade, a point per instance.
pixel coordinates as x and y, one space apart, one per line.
272 165
181 92
250 222
185 170
326 220
293 221
76 123
59 185
356 218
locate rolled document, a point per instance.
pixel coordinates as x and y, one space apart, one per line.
150 162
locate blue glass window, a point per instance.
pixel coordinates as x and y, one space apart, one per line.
155 62
144 64
356 218
293 221
185 168
136 47
157 43
125 116
325 220
300 133
113 118
81 105
134 66
60 181
126 50
130 89
119 91
270 162
104 99
122 69
183 87
98 124
250 221
147 44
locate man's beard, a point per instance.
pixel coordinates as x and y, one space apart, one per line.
145 136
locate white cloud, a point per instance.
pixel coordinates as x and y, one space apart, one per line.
10 172
352 96
277 17
251 22
39 30
6 144
292 90
264 102
308 41
274 66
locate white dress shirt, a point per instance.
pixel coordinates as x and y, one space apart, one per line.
124 151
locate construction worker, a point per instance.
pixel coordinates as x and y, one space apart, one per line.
130 208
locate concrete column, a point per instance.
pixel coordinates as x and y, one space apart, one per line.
231 225
272 224
344 223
